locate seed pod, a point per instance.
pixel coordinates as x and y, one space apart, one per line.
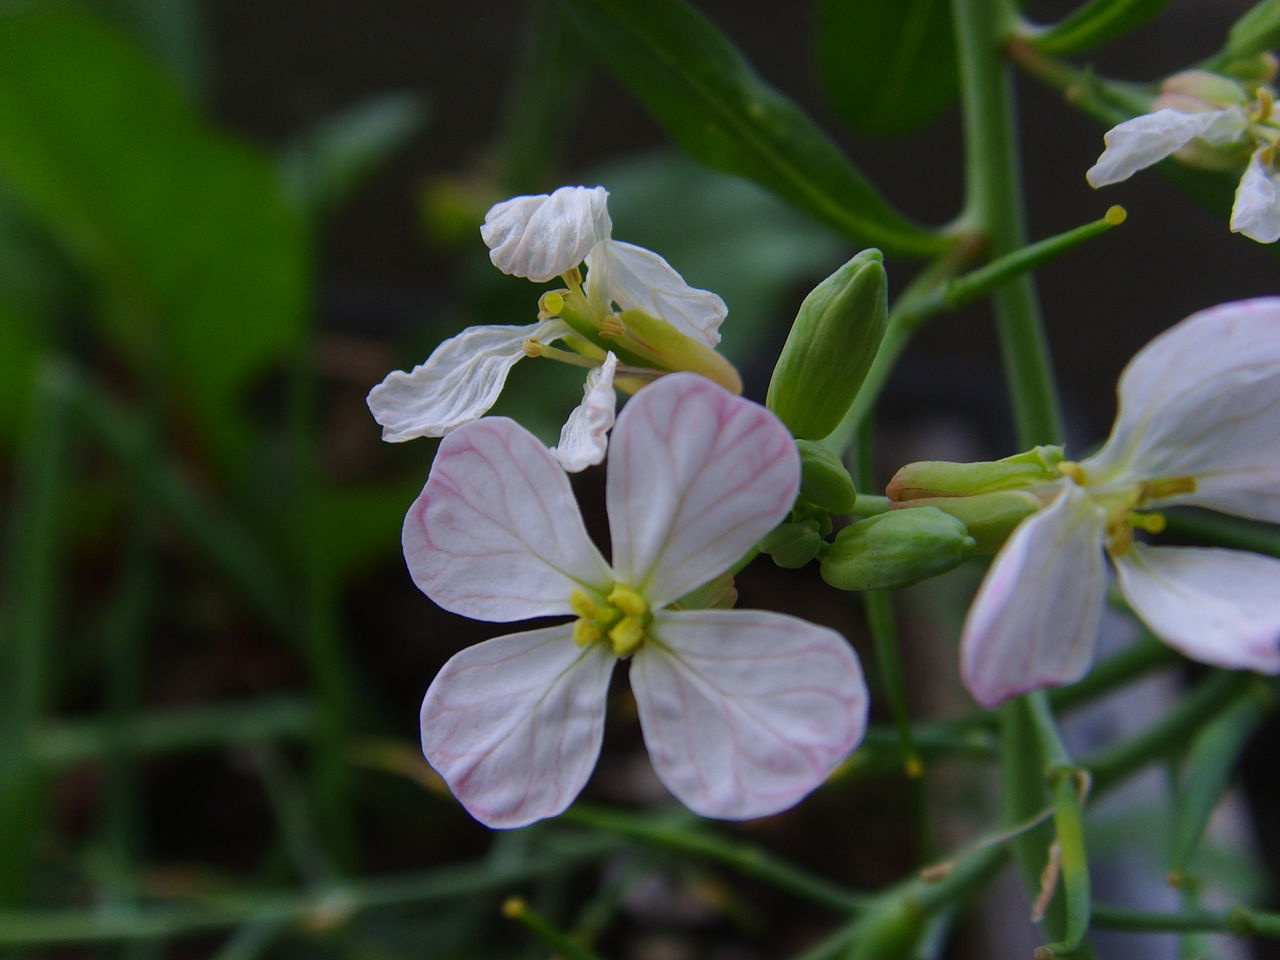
830 348
823 478
896 549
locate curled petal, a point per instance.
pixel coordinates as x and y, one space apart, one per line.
514 724
543 236
1220 607
585 435
1256 211
696 476
1199 401
639 279
1138 143
745 712
458 383
495 533
1035 619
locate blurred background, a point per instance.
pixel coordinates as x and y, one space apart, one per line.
221 223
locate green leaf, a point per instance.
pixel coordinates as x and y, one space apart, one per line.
324 166
197 259
887 67
1257 31
711 101
1097 22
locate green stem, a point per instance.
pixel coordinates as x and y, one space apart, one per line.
880 619
560 942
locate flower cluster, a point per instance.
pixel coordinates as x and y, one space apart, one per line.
1197 425
661 324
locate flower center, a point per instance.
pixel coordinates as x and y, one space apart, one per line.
621 619
1122 503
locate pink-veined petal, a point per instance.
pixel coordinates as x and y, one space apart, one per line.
495 533
458 383
1256 211
745 712
639 279
1220 607
1200 401
1035 618
1142 141
696 476
514 724
543 236
585 436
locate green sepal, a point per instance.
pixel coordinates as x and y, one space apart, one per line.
896 549
836 334
793 543
824 479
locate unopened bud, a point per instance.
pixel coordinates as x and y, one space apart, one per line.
792 543
989 517
896 549
824 479
830 348
942 478
1211 91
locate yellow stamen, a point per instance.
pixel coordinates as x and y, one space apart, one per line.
550 304
1168 487
582 604
627 636
1073 470
612 326
1266 102
532 347
1120 539
628 601
585 632
572 278
1150 522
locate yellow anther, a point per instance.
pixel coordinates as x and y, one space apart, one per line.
1070 468
628 601
550 304
627 636
514 908
582 604
1266 102
1150 522
532 347
1116 215
585 632
1120 539
1168 487
612 326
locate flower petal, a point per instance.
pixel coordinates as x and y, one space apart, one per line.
543 236
1256 211
1200 401
1142 141
1220 607
495 533
696 476
514 724
458 383
746 712
1035 618
585 436
639 279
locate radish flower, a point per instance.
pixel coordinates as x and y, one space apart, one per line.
1208 121
1198 424
743 712
661 324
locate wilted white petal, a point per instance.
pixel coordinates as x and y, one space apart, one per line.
1220 607
696 476
744 712
639 279
585 435
1201 401
1035 618
543 236
458 383
514 724
495 533
1148 139
1256 212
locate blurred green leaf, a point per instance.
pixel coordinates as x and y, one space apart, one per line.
171 32
325 165
362 524
710 100
887 67
1097 22
1257 31
198 259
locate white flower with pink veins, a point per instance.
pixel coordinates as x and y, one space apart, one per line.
1198 425
744 712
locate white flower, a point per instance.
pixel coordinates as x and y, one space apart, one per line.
1198 424
744 712
540 238
1200 113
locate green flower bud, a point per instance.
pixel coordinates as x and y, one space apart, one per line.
824 479
941 478
830 348
792 544
989 517
896 549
